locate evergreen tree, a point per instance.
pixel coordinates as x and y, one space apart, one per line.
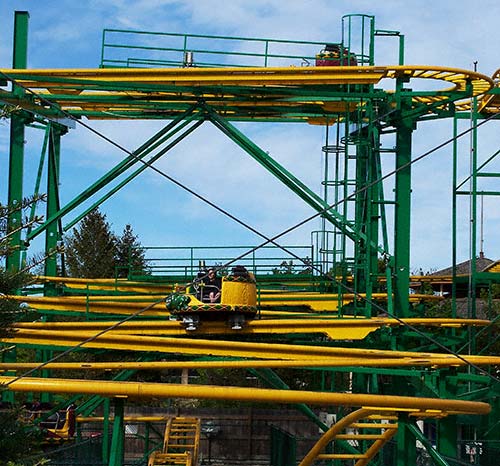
130 255
12 280
91 250
17 440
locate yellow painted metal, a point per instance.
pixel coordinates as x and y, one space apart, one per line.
255 76
387 432
251 394
376 446
107 284
334 327
87 419
249 76
213 83
189 346
318 302
238 293
326 362
338 329
163 327
486 104
181 459
182 435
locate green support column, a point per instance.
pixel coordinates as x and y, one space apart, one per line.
52 234
447 437
447 428
406 445
16 157
360 215
404 130
118 438
105 431
367 219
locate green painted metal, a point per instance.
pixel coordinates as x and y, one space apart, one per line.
16 155
272 379
105 430
118 437
447 428
119 169
431 451
52 233
121 47
286 177
38 181
404 130
133 175
406 447
350 232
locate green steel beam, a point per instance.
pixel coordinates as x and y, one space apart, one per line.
16 156
404 129
105 430
120 168
435 455
274 380
406 445
116 456
51 233
41 164
138 171
447 428
287 178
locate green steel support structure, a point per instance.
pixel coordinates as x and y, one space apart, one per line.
118 437
351 230
406 447
136 157
404 130
53 232
17 130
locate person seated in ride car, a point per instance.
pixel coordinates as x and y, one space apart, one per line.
213 286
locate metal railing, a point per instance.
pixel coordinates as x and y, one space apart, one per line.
127 48
186 262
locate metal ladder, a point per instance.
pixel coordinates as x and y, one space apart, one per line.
180 444
365 430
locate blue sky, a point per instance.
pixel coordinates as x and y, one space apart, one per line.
67 34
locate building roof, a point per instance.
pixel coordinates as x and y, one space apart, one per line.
482 264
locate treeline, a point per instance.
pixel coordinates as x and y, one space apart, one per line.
94 251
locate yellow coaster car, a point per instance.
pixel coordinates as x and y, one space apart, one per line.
235 300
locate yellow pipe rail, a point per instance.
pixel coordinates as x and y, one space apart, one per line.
326 362
112 340
250 394
128 304
222 86
156 327
251 76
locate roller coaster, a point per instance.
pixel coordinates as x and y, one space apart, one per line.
351 311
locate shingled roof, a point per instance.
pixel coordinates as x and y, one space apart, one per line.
482 263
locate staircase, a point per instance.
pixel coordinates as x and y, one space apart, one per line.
365 430
181 443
